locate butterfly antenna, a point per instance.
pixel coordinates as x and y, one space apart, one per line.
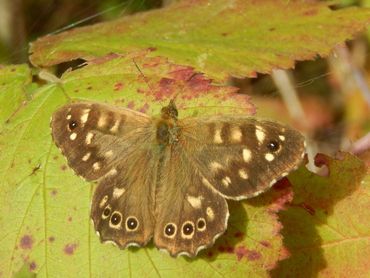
143 75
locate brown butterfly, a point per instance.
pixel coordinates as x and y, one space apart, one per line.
167 178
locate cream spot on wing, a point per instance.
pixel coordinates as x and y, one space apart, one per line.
112 172
236 134
110 242
247 155
102 120
226 181
96 166
210 214
195 202
69 116
243 174
86 156
282 137
73 136
273 182
118 192
103 201
114 128
260 134
85 115
217 138
206 182
215 166
89 137
108 154
269 157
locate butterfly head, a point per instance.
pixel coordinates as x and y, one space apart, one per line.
169 111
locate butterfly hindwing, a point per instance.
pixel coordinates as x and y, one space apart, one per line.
189 214
239 156
123 204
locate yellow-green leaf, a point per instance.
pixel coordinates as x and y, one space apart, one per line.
221 38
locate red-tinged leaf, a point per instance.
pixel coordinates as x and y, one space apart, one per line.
327 227
221 38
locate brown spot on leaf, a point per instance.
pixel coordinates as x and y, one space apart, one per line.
307 208
33 266
239 234
167 87
104 59
51 239
144 108
63 167
89 88
310 12
26 242
210 254
131 105
55 157
265 243
118 86
70 219
226 249
70 248
251 255
54 192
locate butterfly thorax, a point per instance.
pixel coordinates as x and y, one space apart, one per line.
167 129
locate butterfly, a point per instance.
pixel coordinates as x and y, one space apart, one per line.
166 178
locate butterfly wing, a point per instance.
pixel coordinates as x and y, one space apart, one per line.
189 215
239 156
108 144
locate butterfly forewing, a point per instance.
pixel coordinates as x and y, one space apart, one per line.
239 156
113 146
93 137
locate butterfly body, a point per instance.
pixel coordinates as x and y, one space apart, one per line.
168 178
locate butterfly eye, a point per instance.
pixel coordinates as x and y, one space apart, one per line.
132 223
72 125
188 229
106 212
273 146
170 230
201 224
115 218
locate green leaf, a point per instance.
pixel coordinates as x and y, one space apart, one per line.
13 82
45 207
221 38
327 227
